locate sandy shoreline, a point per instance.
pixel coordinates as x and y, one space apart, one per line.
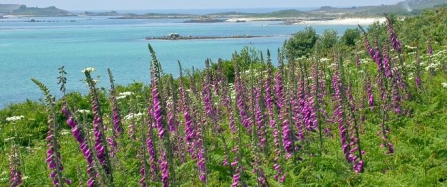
344 21
341 21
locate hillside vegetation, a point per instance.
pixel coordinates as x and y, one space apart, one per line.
407 7
368 108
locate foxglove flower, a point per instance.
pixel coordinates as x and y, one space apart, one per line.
83 145
15 176
239 88
357 60
339 115
164 169
429 48
370 94
53 158
395 42
102 152
152 155
386 63
259 116
116 117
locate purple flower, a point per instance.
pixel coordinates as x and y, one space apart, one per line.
236 179
370 95
418 81
429 48
279 91
116 118
390 148
357 60
190 132
386 63
102 153
259 116
164 169
396 99
15 177
152 155
246 121
157 111
358 167
286 133
395 42
85 149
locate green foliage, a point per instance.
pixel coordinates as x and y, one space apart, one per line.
33 125
301 44
350 37
430 25
419 134
328 39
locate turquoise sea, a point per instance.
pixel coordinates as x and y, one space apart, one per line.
37 49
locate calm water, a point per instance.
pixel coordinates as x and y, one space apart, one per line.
36 49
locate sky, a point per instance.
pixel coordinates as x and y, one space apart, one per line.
192 4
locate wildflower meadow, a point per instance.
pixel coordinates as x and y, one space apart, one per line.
366 109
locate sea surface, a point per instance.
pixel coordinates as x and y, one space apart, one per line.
37 49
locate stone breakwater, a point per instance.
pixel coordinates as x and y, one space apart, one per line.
200 37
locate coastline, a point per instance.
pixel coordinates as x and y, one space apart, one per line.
315 21
344 21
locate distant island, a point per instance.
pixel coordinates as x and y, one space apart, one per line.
23 10
205 19
291 16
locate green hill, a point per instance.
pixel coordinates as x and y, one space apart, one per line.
35 11
408 7
421 4
7 8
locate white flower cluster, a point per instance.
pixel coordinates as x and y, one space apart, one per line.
301 58
433 66
95 81
324 59
364 61
333 65
64 132
232 91
8 139
410 47
82 111
124 95
132 115
14 118
89 69
444 84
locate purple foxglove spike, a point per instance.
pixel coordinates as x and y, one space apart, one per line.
236 180
279 91
429 48
390 148
395 42
357 60
164 170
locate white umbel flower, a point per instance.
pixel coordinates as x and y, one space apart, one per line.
14 118
444 84
89 69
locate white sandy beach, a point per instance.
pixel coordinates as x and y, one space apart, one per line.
341 21
345 21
